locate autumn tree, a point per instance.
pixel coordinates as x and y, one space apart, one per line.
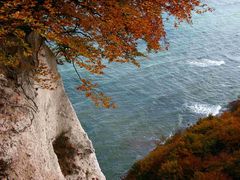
207 150
88 33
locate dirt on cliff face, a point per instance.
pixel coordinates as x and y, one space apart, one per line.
40 134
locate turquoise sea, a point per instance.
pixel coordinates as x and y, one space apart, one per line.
197 76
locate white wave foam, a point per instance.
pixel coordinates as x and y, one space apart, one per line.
206 62
205 109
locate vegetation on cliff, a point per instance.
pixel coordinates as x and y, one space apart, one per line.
208 150
88 34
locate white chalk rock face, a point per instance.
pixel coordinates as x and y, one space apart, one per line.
40 135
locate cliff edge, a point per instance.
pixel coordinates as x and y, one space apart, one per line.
40 134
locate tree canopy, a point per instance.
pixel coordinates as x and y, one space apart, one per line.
90 33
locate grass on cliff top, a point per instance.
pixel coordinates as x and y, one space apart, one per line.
208 150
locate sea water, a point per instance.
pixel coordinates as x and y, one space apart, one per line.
197 76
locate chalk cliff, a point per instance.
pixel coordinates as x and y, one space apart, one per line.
40 134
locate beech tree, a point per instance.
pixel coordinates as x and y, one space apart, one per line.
89 33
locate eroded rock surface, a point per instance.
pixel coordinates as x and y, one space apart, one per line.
40 134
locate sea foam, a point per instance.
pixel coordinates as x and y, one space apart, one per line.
205 109
206 63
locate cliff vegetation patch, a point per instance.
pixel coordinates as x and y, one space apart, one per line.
208 150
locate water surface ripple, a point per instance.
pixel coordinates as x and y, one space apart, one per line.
196 77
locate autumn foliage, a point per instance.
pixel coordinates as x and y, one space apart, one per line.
89 33
208 150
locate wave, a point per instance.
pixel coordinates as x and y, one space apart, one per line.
228 3
206 62
205 109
